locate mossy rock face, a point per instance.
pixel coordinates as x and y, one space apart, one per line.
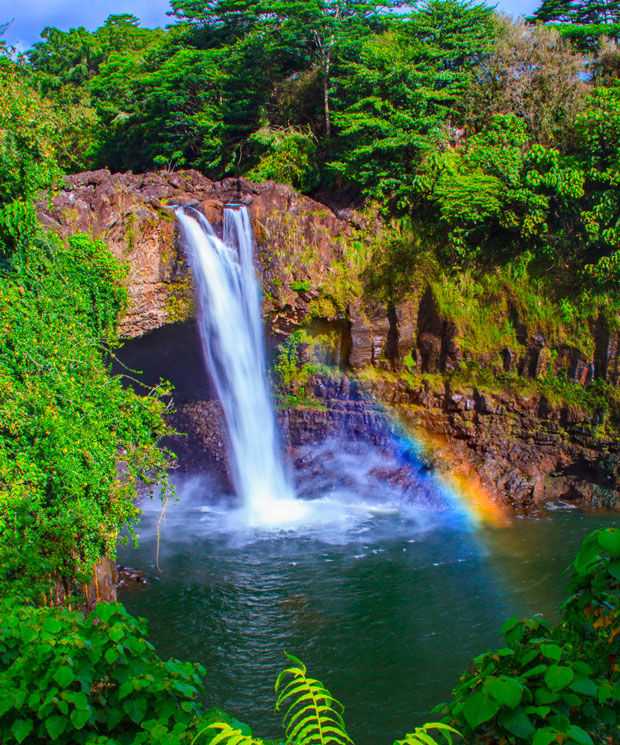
180 302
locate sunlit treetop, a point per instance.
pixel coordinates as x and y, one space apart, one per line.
584 21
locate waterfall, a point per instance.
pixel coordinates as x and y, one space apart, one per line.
229 319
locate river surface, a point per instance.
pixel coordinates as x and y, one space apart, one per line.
386 606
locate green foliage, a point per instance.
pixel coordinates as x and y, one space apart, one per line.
313 716
501 192
27 161
402 90
535 74
583 21
70 679
224 732
553 685
73 441
96 680
598 129
420 736
290 367
288 156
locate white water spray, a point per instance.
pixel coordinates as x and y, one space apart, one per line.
229 319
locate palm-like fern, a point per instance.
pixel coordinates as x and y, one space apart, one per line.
226 734
313 716
420 735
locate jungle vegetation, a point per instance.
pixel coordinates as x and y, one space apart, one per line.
495 140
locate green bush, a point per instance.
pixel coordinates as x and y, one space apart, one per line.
73 441
96 680
552 685
288 155
69 679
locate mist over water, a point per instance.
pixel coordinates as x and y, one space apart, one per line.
386 602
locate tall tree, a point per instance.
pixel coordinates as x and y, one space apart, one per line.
579 11
322 29
403 90
221 21
585 21
535 74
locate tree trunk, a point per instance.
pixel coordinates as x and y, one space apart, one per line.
326 72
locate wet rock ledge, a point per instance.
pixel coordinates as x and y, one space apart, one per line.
523 448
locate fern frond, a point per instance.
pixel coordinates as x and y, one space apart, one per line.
225 734
421 737
313 716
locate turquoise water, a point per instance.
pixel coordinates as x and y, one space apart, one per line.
386 607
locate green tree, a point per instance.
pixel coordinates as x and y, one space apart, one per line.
27 160
323 29
73 441
598 132
403 92
552 684
579 11
502 194
584 21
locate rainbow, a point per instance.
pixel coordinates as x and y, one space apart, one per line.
461 485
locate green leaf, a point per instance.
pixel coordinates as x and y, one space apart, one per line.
27 634
614 569
517 723
572 699
536 670
551 651
116 632
111 655
579 735
64 676
529 656
583 685
545 696
21 728
558 677
126 688
80 700
506 691
609 540
544 736
52 625
55 726
79 717
509 625
135 708
582 668
479 709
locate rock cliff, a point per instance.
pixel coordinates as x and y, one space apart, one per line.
524 447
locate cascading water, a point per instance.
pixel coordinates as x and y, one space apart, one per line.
229 319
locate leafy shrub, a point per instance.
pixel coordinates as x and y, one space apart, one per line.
288 155
69 679
312 716
97 681
73 441
553 685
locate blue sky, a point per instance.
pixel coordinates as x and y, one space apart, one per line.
31 16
